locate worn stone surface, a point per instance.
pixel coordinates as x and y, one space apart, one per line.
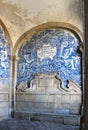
57 100
4 105
13 124
41 104
67 119
22 16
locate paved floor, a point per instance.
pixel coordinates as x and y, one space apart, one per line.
13 124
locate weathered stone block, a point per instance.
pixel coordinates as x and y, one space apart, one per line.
76 98
51 98
3 111
55 99
75 108
40 107
65 106
65 98
24 105
66 119
50 108
4 117
57 105
4 97
61 111
41 98
4 104
58 99
26 97
72 120
21 115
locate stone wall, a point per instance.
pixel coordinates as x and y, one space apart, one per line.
4 75
4 105
49 103
47 96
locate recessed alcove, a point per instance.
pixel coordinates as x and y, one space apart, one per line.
49 75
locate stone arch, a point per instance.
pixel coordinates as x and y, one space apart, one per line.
40 29
24 37
22 41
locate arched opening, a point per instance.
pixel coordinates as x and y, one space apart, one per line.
49 74
50 51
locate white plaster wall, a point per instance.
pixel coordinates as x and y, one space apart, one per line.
21 15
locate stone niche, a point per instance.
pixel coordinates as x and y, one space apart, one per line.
47 95
47 62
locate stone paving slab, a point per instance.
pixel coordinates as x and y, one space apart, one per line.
14 124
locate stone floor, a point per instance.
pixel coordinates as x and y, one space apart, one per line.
14 124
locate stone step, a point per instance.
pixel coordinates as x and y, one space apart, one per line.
13 124
64 119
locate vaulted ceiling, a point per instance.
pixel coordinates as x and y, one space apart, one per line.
20 16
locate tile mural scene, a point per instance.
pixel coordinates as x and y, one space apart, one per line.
4 59
50 51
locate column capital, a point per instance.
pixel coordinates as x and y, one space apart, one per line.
13 58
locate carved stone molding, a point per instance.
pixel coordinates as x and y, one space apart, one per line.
48 83
47 95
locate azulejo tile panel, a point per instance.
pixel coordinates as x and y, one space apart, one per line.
53 50
4 59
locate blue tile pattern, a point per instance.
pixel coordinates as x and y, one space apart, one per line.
66 60
4 58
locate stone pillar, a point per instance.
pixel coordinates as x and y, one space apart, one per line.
86 69
81 48
14 60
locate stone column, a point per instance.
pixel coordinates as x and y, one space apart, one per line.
81 48
14 60
86 69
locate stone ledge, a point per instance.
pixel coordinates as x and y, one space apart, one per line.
4 117
66 119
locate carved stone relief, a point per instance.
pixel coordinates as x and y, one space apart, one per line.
47 94
48 83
